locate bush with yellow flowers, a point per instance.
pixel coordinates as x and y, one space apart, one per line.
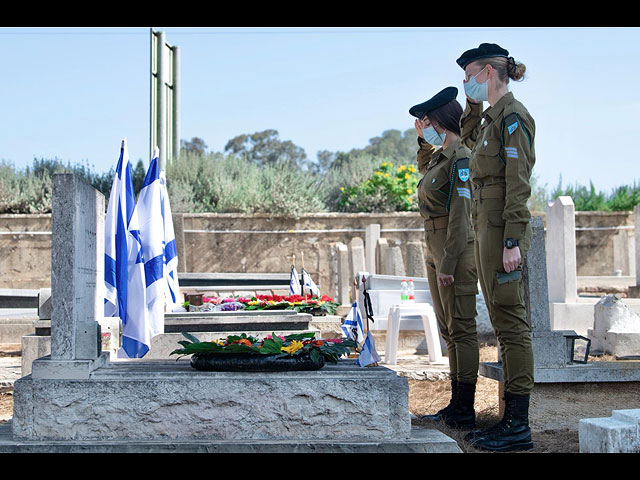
389 189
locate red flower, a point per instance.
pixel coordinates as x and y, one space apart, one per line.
334 340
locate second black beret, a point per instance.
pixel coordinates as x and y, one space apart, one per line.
438 100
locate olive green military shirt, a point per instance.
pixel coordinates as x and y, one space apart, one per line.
445 189
502 153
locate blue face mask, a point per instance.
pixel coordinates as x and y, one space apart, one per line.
433 137
477 91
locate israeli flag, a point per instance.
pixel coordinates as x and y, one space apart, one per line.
124 270
170 252
294 284
368 354
352 325
139 331
309 284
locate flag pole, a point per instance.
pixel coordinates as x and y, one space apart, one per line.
302 278
355 291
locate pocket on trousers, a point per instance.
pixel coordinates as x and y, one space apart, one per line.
508 293
465 300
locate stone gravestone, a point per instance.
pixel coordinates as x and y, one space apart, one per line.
356 246
77 280
561 267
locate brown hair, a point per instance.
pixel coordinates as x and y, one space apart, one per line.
506 67
447 116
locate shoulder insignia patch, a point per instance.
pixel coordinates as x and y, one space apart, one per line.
512 128
463 169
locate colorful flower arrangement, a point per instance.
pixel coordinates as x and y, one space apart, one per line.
315 305
287 346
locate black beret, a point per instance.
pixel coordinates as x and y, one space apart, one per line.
485 50
438 100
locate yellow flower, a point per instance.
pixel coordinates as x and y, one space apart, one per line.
402 167
407 176
390 164
412 169
409 191
342 189
386 175
377 172
384 164
293 347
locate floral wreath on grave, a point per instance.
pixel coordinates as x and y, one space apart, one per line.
301 351
323 305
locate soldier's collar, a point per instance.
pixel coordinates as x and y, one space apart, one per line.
494 111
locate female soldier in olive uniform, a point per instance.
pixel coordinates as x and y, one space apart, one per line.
501 161
444 195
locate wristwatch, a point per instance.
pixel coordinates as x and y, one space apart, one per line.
510 243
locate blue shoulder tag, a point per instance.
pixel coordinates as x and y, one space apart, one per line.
463 174
512 128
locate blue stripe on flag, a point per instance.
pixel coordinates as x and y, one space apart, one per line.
134 348
109 270
153 269
170 251
131 197
153 173
121 265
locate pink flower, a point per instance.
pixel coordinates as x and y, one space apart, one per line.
333 340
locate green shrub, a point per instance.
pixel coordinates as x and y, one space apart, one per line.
388 189
217 183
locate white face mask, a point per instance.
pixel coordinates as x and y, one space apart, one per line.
433 137
478 91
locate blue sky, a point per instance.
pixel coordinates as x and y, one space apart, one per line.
74 93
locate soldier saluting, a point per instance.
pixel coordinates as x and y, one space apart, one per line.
502 157
444 195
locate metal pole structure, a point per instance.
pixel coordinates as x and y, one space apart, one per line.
176 103
161 127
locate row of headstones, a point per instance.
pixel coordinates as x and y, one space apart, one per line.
377 255
561 258
374 255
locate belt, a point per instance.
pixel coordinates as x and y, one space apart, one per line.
490 191
438 223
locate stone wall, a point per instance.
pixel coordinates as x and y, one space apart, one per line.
260 243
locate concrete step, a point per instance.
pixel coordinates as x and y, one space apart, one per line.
619 433
422 440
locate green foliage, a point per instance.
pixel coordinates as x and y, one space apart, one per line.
266 149
388 189
29 190
226 183
259 173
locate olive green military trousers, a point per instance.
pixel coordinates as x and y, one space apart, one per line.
504 297
455 307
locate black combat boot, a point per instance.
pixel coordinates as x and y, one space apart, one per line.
440 415
462 416
512 432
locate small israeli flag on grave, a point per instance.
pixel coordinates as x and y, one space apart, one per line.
294 284
368 354
309 284
352 325
150 231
